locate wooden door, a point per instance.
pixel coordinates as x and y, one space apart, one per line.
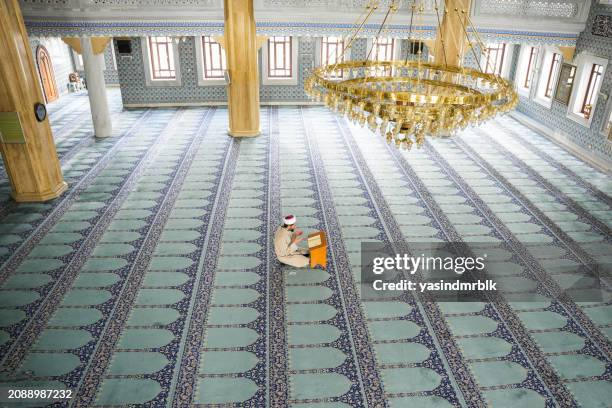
47 76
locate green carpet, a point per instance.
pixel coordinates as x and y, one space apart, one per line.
153 280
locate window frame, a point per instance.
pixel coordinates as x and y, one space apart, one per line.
339 57
606 126
201 63
285 45
585 62
570 81
548 76
78 60
555 65
527 68
147 61
294 68
157 66
497 69
528 74
339 48
393 46
590 91
395 52
114 59
319 52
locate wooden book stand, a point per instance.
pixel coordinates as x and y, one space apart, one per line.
317 243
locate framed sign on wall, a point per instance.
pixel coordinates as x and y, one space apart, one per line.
10 128
602 26
565 83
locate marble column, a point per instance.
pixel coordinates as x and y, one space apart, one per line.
29 157
96 89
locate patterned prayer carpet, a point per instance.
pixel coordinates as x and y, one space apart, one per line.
153 282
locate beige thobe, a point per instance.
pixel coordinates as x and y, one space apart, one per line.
286 252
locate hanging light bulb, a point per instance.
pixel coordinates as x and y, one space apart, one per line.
384 125
389 137
372 122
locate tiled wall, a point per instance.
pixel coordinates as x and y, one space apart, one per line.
469 58
110 73
131 75
133 84
288 93
359 49
134 90
514 62
555 118
60 58
405 47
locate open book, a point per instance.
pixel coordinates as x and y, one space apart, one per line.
314 241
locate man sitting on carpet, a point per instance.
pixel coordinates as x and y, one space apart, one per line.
286 240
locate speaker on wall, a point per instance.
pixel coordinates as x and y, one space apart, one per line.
124 47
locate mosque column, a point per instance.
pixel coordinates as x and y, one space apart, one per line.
241 46
26 141
451 43
92 50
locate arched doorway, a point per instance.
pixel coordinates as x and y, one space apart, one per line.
47 76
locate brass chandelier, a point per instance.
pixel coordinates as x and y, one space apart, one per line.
407 100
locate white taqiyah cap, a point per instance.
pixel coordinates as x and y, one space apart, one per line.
289 219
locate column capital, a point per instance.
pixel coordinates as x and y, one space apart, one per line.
98 44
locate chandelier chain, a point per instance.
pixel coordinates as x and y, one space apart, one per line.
407 100
441 39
